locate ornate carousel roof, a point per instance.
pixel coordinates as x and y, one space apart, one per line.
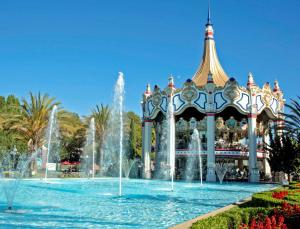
211 91
210 61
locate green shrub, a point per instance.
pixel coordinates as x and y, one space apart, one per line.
216 222
294 185
261 203
230 219
264 199
293 198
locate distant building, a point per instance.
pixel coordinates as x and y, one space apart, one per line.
233 121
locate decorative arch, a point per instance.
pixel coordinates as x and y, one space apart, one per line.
190 112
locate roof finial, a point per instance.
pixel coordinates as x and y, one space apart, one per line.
171 81
208 15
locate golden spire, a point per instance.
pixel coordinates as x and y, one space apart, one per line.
210 62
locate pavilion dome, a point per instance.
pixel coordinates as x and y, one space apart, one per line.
210 62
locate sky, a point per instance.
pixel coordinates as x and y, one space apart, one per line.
74 49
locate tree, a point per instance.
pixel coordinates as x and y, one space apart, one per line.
132 141
9 107
72 131
2 103
12 104
32 121
101 115
135 135
292 119
283 153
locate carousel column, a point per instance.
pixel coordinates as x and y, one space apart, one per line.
267 168
147 127
211 175
253 170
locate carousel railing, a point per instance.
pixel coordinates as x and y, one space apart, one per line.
231 152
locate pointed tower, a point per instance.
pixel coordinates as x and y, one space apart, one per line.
210 62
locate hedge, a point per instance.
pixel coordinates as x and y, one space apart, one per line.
230 219
262 202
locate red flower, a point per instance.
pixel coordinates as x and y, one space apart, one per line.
286 215
268 223
243 226
253 224
280 221
280 195
260 225
273 219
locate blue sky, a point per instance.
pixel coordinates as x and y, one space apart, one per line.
74 49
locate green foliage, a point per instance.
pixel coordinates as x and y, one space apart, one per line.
261 203
9 107
10 140
23 124
283 153
135 135
11 104
72 132
230 219
32 121
2 103
217 222
101 114
72 145
264 199
292 119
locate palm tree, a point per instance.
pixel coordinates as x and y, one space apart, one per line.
292 119
101 114
32 121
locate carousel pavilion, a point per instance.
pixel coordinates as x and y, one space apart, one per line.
233 120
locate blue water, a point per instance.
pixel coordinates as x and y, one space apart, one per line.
78 203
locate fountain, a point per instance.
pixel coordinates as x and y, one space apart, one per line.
161 157
88 156
221 169
118 115
196 146
128 166
112 152
12 170
171 140
52 143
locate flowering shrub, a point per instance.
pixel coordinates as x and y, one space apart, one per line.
267 223
267 210
280 195
286 216
291 214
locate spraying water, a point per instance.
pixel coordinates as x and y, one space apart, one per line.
129 165
119 102
13 168
221 169
161 158
88 156
197 145
93 144
171 140
52 141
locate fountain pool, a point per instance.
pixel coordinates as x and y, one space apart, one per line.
83 203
